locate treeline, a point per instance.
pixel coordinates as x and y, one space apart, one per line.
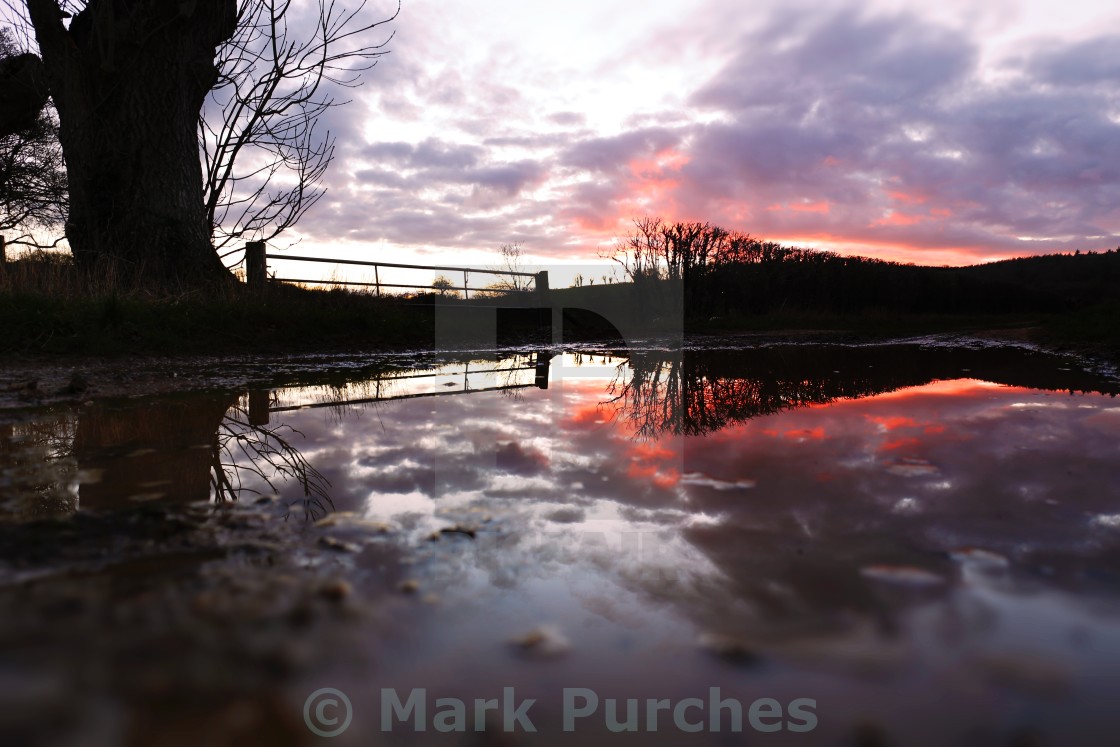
695 392
719 272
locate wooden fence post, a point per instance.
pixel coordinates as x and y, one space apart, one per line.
542 286
542 363
256 264
259 401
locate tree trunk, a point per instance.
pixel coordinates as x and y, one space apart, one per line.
129 78
163 441
23 92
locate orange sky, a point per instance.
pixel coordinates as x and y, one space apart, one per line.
952 134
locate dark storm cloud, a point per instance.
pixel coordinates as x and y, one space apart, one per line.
515 458
429 154
799 59
508 179
433 164
380 200
567 119
540 141
889 122
1092 62
874 129
610 153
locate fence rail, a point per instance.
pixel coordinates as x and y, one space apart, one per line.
261 405
256 273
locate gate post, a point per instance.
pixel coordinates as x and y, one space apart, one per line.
256 265
259 401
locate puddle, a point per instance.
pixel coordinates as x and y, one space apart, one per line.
920 540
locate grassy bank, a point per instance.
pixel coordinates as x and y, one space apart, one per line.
870 324
48 308
282 322
1095 329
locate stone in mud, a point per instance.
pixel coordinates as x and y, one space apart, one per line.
352 520
870 734
338 545
979 558
729 648
78 384
543 641
456 529
902 575
1027 673
337 590
28 385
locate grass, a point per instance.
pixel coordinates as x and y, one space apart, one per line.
874 323
47 306
1095 328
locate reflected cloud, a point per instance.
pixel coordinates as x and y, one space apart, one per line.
771 477
912 512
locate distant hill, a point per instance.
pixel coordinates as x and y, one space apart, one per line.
1074 280
778 279
806 280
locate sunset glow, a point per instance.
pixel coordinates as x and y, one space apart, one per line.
948 135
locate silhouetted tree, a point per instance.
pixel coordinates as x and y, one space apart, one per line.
32 174
443 284
23 83
129 79
263 153
511 265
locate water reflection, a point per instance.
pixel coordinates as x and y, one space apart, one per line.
250 457
924 537
877 525
701 391
38 471
110 456
214 447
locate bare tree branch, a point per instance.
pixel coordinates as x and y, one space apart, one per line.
32 172
264 153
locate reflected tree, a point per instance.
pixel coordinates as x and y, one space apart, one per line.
112 456
38 471
685 396
701 391
245 454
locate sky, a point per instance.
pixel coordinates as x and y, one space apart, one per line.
936 133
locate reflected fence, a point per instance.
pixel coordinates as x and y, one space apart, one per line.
438 383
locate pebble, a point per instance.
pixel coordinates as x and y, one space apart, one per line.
729 648
457 529
1026 673
979 557
543 641
351 520
903 575
338 545
78 384
336 591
